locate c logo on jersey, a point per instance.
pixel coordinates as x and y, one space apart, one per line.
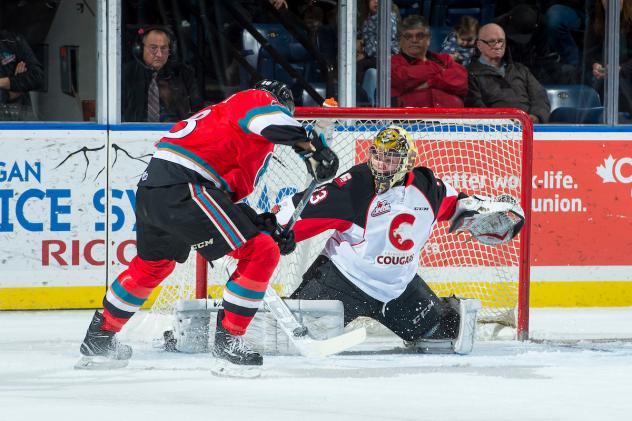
400 232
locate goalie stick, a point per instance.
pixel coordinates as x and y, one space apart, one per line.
296 331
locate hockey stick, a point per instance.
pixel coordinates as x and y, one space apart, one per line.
296 331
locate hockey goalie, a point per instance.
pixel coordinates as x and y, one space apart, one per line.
382 213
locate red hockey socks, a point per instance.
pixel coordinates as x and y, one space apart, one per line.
245 289
130 290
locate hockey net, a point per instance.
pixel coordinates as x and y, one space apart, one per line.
478 151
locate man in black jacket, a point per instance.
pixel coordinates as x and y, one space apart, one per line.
495 81
154 88
20 72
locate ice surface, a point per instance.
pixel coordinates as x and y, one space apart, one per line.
559 376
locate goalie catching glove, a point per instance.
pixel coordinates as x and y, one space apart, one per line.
266 222
322 164
490 221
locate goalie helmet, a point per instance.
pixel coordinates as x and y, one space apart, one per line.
280 90
391 155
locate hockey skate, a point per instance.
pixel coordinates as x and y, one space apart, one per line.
233 357
101 350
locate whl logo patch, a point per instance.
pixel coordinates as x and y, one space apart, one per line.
381 208
616 170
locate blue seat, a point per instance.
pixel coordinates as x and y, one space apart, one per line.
282 41
573 96
449 12
438 35
579 104
591 115
409 7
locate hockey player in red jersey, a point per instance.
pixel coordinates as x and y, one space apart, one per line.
188 198
382 213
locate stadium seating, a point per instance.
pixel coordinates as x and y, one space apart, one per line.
574 104
576 96
283 42
593 115
449 12
438 35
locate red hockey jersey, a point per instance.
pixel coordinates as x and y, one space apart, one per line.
228 144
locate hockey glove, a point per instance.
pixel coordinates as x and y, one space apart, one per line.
322 164
266 222
490 221
285 241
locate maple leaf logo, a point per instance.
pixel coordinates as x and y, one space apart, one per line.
605 171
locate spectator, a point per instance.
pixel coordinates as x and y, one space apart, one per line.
595 53
323 36
20 72
496 81
562 19
420 78
369 29
154 87
460 43
525 30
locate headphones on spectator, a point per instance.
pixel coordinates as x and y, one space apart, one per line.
141 33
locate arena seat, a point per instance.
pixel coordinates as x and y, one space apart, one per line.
283 42
438 35
573 96
449 12
571 115
579 104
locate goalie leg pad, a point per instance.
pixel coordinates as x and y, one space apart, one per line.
467 325
191 327
323 318
464 341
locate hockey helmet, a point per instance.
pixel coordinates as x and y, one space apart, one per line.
280 90
392 154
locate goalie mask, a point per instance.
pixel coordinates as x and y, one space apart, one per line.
280 90
391 155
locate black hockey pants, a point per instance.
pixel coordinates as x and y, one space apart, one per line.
416 313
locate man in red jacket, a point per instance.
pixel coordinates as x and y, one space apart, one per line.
421 78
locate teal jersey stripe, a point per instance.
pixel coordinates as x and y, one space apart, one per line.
237 289
227 228
255 112
125 295
180 150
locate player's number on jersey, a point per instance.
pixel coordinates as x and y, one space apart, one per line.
191 122
318 195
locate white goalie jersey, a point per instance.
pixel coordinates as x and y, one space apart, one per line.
378 238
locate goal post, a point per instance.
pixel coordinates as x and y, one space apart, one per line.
478 151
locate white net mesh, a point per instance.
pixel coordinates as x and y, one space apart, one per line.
475 155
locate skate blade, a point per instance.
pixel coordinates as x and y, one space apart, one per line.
223 368
99 363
